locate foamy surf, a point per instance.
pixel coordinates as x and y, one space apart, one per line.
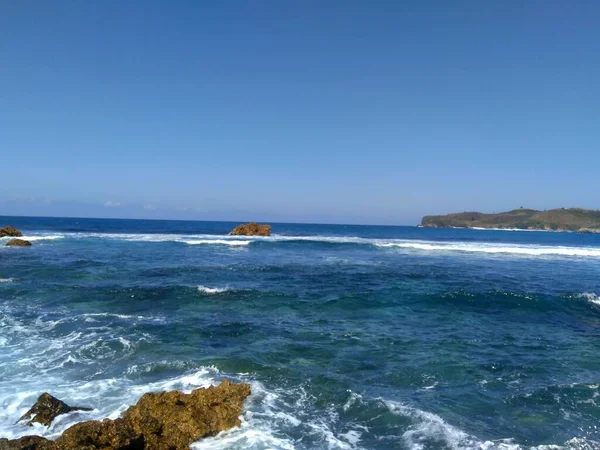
213 290
233 243
109 398
507 249
37 237
268 417
424 246
189 239
590 297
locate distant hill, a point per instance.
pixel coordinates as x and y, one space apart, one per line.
571 219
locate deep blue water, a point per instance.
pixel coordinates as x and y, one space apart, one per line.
352 336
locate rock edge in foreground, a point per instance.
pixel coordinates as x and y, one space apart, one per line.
158 421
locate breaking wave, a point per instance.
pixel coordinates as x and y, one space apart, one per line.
524 250
209 290
408 245
38 237
590 297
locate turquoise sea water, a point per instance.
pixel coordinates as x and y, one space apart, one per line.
352 337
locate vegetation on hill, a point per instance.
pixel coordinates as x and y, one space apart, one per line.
571 219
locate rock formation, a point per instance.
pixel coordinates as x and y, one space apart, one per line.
47 408
563 219
251 229
10 232
18 243
107 434
158 421
174 420
28 443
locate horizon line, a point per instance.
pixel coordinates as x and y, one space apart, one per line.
205 220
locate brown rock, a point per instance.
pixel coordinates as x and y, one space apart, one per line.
18 243
101 435
251 229
158 421
10 231
173 420
28 443
47 408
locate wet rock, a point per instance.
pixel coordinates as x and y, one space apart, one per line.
47 408
10 231
18 243
251 229
173 420
101 435
28 443
158 421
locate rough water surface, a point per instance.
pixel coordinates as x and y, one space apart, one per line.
351 337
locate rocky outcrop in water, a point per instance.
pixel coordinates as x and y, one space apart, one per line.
158 421
28 443
18 243
251 229
47 408
174 420
10 232
107 434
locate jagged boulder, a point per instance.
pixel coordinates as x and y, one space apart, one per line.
28 443
18 243
158 421
10 232
173 420
251 229
107 434
47 408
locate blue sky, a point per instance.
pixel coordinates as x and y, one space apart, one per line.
337 111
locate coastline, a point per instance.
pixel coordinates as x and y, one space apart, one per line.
575 220
510 229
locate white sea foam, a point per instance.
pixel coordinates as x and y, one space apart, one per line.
590 297
209 290
429 429
233 243
6 280
110 397
195 239
510 229
408 245
37 237
508 249
268 416
120 316
43 237
270 413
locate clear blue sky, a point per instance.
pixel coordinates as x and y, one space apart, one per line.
334 111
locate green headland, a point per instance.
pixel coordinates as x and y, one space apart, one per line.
562 219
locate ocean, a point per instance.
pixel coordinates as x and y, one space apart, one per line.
352 337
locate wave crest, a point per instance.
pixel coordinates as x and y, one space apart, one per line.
525 250
215 290
590 297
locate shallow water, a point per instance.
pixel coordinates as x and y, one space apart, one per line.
352 337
